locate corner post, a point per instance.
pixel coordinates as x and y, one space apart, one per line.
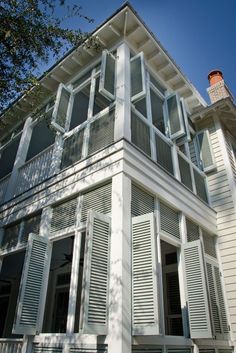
122 111
119 332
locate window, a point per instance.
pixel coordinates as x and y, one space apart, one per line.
8 156
41 138
10 276
80 107
56 309
171 292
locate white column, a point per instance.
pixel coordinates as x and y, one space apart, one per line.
119 334
20 158
57 154
122 115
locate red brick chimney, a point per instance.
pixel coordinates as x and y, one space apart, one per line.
218 89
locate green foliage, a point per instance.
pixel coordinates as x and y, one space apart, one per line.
31 35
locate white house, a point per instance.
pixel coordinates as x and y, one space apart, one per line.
118 205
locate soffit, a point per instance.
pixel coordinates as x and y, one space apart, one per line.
124 24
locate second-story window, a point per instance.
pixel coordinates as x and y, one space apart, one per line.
42 137
8 155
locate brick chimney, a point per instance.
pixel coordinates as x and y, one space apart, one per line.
218 89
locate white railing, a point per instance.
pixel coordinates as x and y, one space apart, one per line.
10 345
3 188
34 171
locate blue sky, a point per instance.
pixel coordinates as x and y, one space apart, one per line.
198 34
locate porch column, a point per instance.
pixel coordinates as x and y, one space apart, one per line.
122 116
119 334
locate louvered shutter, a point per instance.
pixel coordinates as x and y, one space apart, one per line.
213 300
179 350
185 173
64 215
145 317
31 300
37 348
209 244
169 220
141 202
192 231
175 117
96 275
206 153
98 199
60 110
193 153
72 149
101 132
219 290
163 153
137 73
198 306
200 185
140 134
107 78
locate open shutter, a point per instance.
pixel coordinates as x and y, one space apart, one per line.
96 275
145 316
107 78
137 70
175 116
198 306
31 300
59 115
205 149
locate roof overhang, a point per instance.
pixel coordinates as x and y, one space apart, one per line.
224 109
124 24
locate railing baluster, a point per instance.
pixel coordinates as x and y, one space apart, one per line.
35 171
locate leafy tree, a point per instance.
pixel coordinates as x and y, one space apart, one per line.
31 34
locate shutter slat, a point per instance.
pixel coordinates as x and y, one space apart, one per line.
169 220
95 305
222 309
140 134
98 200
214 306
64 215
141 202
209 244
199 317
145 298
33 283
200 185
192 231
101 132
185 172
72 149
164 155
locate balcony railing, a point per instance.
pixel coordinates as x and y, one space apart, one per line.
8 345
3 187
34 171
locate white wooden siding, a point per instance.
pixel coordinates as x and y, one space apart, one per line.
221 195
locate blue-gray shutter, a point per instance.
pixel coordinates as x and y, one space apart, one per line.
32 295
200 185
185 172
96 275
197 299
107 77
145 316
140 134
206 153
60 110
175 116
137 73
163 153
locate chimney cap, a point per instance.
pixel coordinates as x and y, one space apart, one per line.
215 72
